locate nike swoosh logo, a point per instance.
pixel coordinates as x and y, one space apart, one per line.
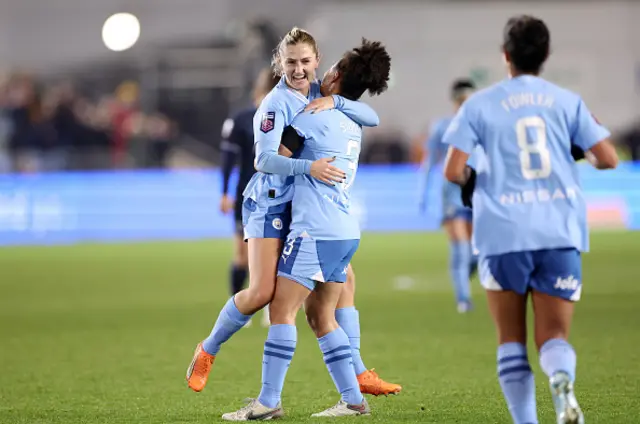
358 408
259 417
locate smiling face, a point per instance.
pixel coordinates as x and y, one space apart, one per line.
299 63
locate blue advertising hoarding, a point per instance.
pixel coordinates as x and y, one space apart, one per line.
169 205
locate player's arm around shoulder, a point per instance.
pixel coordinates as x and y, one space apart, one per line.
360 112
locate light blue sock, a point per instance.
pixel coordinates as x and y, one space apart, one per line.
516 380
459 267
228 323
558 355
337 355
349 320
278 352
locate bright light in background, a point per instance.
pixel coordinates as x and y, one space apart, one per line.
121 31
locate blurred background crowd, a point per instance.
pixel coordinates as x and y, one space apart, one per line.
55 127
159 99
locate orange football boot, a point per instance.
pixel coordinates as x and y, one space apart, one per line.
372 384
198 371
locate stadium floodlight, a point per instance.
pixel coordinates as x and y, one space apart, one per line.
121 31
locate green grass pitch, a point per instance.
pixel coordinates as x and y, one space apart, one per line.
104 334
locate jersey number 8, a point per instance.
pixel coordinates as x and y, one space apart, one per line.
538 147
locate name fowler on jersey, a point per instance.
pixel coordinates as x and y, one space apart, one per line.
530 122
539 196
517 101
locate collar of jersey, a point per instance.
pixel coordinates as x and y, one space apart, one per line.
525 77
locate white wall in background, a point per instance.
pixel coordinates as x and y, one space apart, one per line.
596 51
46 34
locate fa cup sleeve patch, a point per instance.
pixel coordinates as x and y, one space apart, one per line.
268 121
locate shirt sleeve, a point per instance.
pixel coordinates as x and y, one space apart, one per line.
462 133
587 131
268 127
360 112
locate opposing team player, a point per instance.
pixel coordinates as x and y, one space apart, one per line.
456 218
237 148
266 207
323 238
529 213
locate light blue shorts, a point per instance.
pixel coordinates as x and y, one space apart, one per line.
265 221
308 262
556 272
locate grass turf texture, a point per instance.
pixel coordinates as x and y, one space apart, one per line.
104 334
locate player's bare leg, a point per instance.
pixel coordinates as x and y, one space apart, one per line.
265 321
509 312
263 254
459 235
348 318
348 295
469 229
264 258
553 316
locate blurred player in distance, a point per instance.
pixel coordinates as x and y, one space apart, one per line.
237 149
324 235
267 202
529 213
456 218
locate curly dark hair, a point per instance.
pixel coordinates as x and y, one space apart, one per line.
364 68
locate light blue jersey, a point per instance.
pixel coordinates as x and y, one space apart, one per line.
324 233
276 111
528 195
264 213
323 211
272 185
452 206
436 148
